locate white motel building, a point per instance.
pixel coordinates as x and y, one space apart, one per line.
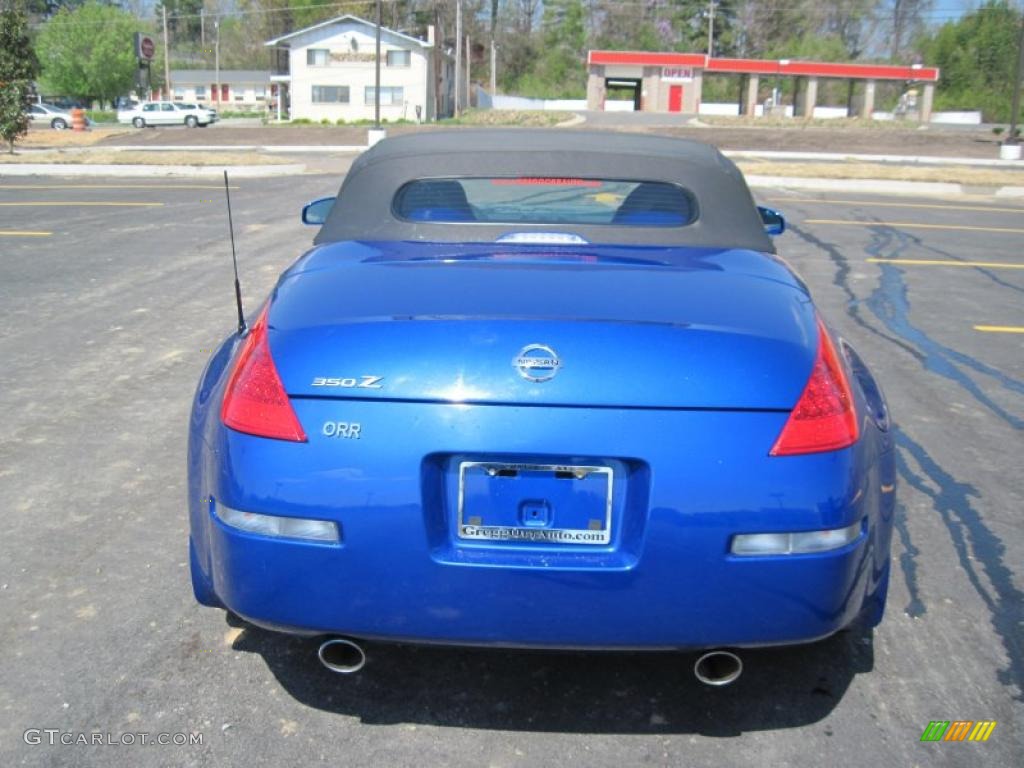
331 70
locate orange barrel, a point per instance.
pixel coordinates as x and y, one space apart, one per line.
78 119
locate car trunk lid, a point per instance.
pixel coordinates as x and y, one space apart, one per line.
720 330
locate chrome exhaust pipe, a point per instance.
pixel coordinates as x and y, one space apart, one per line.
342 656
718 668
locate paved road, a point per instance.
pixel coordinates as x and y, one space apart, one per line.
104 329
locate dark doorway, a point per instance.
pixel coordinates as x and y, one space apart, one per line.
623 89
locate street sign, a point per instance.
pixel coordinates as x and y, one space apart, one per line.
145 47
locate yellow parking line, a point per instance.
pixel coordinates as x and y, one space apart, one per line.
114 186
880 204
941 263
999 328
915 225
22 233
66 203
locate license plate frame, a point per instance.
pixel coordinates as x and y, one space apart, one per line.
471 527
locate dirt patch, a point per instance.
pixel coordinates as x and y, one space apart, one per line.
260 135
41 139
993 177
802 124
533 118
111 157
806 137
852 138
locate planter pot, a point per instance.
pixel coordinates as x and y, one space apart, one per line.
376 134
1009 151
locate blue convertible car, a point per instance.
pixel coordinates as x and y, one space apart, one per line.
542 389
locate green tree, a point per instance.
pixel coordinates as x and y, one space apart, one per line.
976 54
560 71
18 68
182 17
89 53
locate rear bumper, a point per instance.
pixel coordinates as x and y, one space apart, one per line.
687 482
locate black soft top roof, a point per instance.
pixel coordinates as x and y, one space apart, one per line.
727 215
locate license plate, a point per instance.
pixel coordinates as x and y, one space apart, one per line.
535 503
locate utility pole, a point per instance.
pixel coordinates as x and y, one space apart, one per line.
216 61
167 56
711 26
458 54
376 89
438 64
202 29
1015 101
494 68
494 47
469 84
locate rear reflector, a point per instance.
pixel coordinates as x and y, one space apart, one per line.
279 527
824 418
804 542
255 401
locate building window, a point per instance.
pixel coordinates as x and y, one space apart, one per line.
399 58
388 96
317 57
260 91
200 91
239 95
330 94
179 94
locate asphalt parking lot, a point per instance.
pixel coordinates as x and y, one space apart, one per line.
112 295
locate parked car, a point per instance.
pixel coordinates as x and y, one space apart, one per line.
65 102
542 389
47 114
153 113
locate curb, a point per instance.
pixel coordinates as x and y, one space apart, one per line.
576 119
842 157
871 186
810 184
71 169
268 148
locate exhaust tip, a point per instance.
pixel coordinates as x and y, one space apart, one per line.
718 668
342 656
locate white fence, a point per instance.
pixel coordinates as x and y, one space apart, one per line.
733 110
485 101
957 118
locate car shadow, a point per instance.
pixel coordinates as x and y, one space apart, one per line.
545 691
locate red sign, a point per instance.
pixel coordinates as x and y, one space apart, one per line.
145 47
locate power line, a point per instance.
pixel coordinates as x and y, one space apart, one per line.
927 15
224 14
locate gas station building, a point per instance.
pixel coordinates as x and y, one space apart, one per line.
671 82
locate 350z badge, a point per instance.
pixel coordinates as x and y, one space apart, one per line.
351 382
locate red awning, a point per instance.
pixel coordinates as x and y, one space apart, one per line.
766 66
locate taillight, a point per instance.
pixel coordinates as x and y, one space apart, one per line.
255 401
824 418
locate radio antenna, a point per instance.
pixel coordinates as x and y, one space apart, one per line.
234 258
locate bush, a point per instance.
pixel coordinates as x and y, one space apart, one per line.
250 113
101 115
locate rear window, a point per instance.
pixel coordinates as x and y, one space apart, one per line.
534 200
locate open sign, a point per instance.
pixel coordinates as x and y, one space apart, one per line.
677 74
